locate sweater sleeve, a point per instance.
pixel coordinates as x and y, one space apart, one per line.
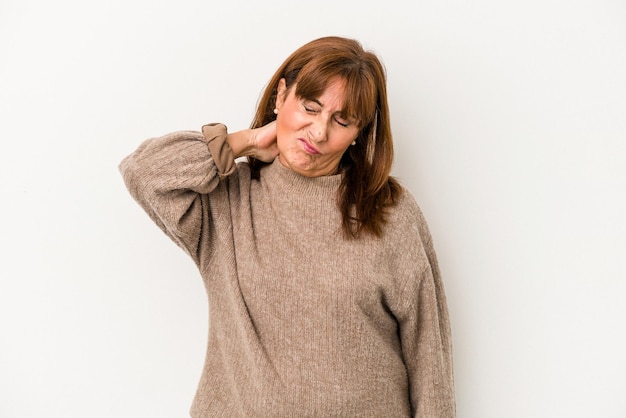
172 176
425 334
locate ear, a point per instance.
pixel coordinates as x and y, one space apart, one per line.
281 92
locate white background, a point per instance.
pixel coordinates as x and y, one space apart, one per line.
510 125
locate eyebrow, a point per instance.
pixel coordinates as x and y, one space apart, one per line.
315 101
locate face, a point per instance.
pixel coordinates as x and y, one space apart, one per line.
312 134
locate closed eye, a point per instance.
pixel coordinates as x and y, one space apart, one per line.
311 106
342 122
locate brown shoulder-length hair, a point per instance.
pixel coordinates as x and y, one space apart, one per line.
367 190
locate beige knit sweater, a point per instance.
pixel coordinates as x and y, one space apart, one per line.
302 323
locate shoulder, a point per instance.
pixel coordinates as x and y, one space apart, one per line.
238 183
178 137
406 222
406 209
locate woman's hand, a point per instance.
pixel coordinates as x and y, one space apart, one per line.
259 143
263 141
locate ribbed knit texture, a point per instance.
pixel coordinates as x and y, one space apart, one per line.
302 322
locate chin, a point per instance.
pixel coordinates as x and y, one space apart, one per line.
296 164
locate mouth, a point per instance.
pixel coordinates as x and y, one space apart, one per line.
308 147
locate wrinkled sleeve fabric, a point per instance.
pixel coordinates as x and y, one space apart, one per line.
172 177
424 328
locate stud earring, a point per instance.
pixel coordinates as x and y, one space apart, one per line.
275 111
353 143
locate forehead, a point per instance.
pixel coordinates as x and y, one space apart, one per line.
333 95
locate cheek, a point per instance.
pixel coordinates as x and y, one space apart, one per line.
341 150
283 119
344 142
289 122
285 137
281 132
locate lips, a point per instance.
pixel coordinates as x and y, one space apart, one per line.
308 147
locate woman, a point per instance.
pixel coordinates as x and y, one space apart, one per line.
325 297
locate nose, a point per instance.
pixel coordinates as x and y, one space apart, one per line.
318 129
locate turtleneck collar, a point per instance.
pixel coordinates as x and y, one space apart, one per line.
287 179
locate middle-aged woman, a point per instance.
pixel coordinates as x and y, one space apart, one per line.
325 297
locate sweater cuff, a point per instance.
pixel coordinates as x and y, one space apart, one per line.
215 135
